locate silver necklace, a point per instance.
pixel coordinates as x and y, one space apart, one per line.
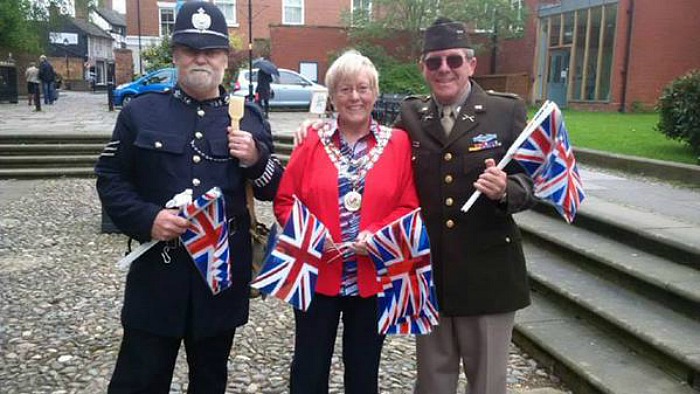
353 199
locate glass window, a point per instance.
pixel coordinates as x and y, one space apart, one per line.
608 50
554 28
592 64
167 21
290 79
581 22
568 36
228 8
293 12
362 9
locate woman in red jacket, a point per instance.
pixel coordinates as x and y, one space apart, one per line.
356 177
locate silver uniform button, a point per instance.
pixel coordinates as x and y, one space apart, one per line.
507 239
200 112
196 158
198 135
196 182
158 144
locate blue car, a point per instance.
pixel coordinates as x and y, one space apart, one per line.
158 80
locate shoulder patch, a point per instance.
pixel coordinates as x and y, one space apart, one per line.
417 97
502 94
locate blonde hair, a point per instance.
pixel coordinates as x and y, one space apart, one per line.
349 66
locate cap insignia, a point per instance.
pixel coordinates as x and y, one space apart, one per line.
201 21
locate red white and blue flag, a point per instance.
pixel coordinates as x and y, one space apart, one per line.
206 239
547 156
401 254
290 271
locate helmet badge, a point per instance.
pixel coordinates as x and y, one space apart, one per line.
201 21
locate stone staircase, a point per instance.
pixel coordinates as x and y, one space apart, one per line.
616 295
53 156
616 299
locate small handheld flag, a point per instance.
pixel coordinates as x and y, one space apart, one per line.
206 239
291 269
401 254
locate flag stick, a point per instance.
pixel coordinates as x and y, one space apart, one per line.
541 114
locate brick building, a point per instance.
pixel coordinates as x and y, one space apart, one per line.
596 54
610 54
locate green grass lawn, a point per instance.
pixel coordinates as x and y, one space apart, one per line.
628 134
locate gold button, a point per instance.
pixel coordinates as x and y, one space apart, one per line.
200 112
448 156
448 179
196 182
158 144
450 223
198 135
449 201
196 158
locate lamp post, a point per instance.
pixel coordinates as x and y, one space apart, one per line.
250 50
138 21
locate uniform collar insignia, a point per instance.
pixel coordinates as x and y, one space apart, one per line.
222 100
201 20
478 108
470 117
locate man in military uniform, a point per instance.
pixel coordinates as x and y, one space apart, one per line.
459 133
164 143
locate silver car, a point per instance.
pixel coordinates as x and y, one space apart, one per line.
290 88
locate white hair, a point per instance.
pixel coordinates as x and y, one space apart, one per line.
350 65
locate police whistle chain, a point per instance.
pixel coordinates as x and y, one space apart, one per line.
178 201
539 117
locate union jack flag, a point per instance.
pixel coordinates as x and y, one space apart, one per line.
206 239
291 269
549 159
401 254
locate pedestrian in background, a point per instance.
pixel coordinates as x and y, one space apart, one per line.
263 91
32 76
47 75
163 143
458 135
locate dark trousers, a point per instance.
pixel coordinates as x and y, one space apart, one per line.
146 362
314 339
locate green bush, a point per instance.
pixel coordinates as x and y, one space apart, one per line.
679 110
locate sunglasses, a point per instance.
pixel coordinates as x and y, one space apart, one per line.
453 61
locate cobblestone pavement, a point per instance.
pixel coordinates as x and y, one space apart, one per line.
60 298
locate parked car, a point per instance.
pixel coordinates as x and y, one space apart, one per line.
158 80
290 88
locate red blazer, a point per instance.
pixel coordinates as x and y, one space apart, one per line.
389 194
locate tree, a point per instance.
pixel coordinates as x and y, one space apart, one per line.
158 55
499 18
17 31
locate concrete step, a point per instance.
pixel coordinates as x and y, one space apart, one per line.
656 234
47 161
38 173
650 327
50 149
676 284
586 357
19 138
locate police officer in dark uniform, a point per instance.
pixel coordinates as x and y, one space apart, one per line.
459 133
164 143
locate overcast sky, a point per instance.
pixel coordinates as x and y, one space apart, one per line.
119 5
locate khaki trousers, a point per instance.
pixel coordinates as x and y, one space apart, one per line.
480 342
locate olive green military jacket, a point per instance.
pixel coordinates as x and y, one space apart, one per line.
478 263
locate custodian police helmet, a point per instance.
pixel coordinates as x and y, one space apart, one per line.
200 25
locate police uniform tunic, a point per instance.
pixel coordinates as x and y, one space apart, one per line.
164 143
477 256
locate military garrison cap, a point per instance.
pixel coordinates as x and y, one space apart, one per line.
200 25
444 33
